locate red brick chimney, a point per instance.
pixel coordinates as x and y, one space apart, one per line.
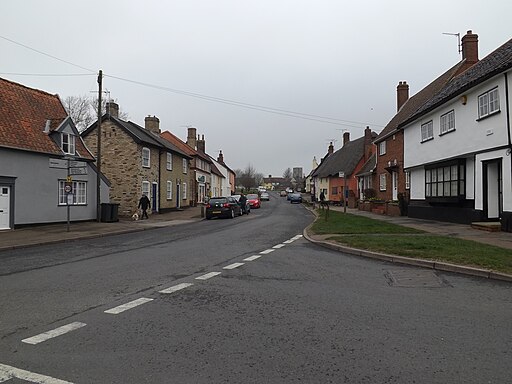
346 137
402 94
152 124
368 143
220 158
330 151
470 47
191 137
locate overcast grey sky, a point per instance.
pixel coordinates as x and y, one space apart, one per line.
322 58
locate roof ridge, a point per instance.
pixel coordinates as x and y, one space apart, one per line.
30 88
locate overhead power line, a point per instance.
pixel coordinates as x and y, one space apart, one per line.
278 111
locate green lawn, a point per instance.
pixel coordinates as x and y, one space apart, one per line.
375 235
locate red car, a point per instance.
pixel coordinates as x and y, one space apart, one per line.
254 200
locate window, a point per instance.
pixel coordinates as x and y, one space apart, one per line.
445 181
488 103
145 188
334 190
169 161
68 143
79 191
184 191
382 148
427 131
382 181
145 157
169 190
447 123
407 180
185 163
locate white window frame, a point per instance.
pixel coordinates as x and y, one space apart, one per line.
169 190
68 143
488 103
382 182
146 188
447 122
169 161
146 157
184 192
79 191
185 166
427 131
382 148
407 179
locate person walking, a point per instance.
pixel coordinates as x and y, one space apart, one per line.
144 205
243 203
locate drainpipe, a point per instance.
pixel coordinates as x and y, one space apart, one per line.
508 112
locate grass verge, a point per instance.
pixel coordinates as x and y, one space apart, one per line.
378 236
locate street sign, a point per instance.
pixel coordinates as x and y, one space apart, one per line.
69 179
341 174
78 171
58 163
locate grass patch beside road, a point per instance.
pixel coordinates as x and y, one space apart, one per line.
346 223
379 236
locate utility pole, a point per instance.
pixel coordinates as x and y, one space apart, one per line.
98 150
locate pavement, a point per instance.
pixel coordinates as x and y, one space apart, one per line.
61 232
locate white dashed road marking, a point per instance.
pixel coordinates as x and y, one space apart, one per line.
252 258
127 306
7 373
176 288
53 333
208 276
297 237
288 241
233 266
266 251
278 246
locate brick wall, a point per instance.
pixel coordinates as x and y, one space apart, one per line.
394 150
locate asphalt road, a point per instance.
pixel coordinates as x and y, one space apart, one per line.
93 311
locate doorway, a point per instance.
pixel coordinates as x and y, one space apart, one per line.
5 202
493 189
178 193
394 178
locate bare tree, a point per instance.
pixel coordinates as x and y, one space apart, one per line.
79 108
248 178
287 174
84 110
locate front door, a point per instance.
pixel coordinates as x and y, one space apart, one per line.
394 178
493 195
154 200
178 193
4 207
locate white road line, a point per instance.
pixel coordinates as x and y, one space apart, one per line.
288 241
233 266
252 258
124 307
53 333
297 237
267 251
278 246
208 276
11 373
176 288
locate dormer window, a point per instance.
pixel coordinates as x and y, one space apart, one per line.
68 143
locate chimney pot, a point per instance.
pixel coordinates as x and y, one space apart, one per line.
346 137
220 158
331 149
152 124
470 47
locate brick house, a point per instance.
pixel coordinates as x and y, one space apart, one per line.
391 180
337 173
46 170
138 161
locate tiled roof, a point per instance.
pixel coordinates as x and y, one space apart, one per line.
344 159
182 146
495 63
23 115
216 171
369 166
415 102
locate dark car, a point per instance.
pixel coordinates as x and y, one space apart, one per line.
295 197
247 208
223 207
254 200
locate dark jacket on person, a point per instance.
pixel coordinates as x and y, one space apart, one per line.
144 202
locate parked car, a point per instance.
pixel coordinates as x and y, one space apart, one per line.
295 197
254 200
247 208
264 196
223 207
283 193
